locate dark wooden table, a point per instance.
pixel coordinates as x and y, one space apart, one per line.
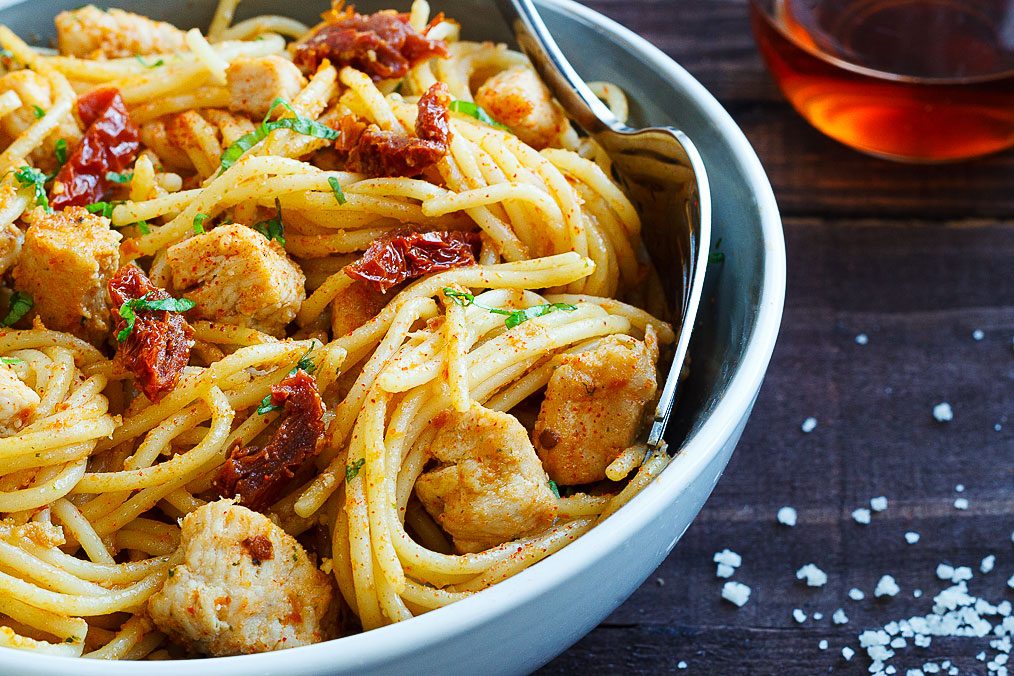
917 258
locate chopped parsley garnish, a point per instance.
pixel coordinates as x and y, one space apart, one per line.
514 317
104 209
35 179
476 111
716 255
155 64
336 188
10 361
267 406
199 223
273 228
116 177
60 150
142 225
19 306
39 112
300 125
352 470
304 363
553 487
130 308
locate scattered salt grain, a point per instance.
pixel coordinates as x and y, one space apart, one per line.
848 653
898 643
839 617
960 503
986 565
960 488
886 587
798 615
818 616
911 537
861 515
823 644
787 516
942 412
931 668
981 656
856 594
724 571
809 425
862 339
997 427
978 334
879 504
1010 582
944 571
681 664
922 641
736 593
813 575
728 557
916 593
660 582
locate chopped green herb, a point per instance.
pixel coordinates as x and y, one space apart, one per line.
336 188
104 209
10 361
352 471
716 255
115 177
304 363
19 306
514 317
267 406
476 111
60 150
171 572
295 556
35 179
39 112
273 228
130 308
300 125
142 225
199 223
155 64
553 487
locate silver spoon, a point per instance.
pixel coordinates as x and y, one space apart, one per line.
660 171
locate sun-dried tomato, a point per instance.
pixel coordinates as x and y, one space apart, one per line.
257 475
377 153
110 144
382 45
159 345
404 255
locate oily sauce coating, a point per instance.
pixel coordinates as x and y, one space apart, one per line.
158 347
404 255
377 153
382 45
256 476
109 145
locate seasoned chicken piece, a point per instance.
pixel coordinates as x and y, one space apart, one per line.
594 407
518 98
354 306
65 263
10 240
237 276
17 401
488 486
255 83
36 95
194 139
92 33
244 586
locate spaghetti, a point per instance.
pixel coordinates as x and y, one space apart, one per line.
369 282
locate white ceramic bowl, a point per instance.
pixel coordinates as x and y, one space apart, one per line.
525 621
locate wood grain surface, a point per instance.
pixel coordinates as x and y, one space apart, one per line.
917 258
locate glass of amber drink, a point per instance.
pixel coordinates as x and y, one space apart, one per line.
909 80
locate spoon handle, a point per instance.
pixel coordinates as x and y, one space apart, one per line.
566 85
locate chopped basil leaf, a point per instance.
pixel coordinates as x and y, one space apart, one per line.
104 209
514 317
199 223
300 125
143 227
476 111
553 487
60 150
35 179
115 177
305 363
273 228
336 188
11 360
155 64
39 112
19 306
267 406
352 470
130 308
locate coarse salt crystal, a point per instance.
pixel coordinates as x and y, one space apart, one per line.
798 615
986 565
823 644
839 617
848 653
922 641
960 503
724 570
787 516
818 616
943 412
681 664
1010 582
997 427
728 557
917 593
856 594
978 334
862 339
886 587
961 574
813 575
944 571
960 488
879 504
911 537
861 515
898 642
736 593
809 425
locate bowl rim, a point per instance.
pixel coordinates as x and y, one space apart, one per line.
381 645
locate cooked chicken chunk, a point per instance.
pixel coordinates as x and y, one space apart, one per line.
65 263
237 276
36 95
244 586
10 241
254 83
354 306
194 139
594 407
92 33
518 98
17 401
488 486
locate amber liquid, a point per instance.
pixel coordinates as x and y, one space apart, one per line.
915 80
